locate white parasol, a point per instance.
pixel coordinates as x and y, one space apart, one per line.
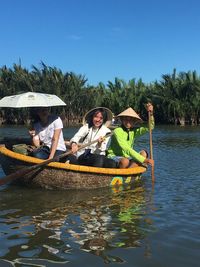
31 99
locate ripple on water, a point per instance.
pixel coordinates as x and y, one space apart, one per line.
147 227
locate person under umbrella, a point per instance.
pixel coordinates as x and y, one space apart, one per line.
47 136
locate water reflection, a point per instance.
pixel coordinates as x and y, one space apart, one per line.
136 228
96 222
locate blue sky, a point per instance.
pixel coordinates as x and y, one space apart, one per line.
102 39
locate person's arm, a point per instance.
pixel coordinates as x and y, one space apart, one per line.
35 138
149 108
82 132
103 141
58 126
145 128
54 144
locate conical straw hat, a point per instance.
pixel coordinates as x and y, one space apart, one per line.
92 111
130 113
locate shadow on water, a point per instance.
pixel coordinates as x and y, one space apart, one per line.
52 228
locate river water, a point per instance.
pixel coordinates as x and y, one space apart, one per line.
149 225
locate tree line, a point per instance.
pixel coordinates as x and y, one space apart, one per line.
176 97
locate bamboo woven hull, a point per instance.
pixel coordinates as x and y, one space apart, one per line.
58 175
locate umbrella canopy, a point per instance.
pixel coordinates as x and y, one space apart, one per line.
31 99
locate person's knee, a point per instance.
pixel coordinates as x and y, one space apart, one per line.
123 163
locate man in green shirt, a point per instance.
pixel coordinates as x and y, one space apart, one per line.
122 141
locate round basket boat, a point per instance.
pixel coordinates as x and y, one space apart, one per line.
58 175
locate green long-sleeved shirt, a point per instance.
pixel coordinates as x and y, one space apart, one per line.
122 142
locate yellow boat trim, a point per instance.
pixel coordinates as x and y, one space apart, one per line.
67 166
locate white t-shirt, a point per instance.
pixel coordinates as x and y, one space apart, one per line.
91 134
45 134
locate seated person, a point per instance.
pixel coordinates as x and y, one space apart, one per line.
47 130
122 142
95 127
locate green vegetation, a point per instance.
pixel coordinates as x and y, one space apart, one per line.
176 97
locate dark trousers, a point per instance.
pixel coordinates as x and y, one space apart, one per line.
96 160
44 152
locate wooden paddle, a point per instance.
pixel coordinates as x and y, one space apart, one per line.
26 170
151 145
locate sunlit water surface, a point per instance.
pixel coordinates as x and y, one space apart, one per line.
132 226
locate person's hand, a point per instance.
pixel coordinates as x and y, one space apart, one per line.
149 108
74 147
149 162
50 157
100 140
